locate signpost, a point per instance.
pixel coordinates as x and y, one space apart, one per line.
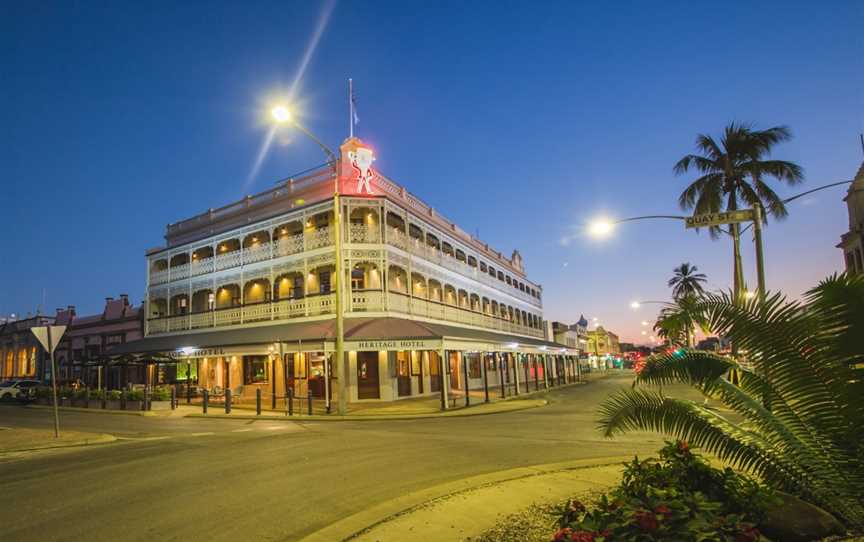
734 217
48 337
715 219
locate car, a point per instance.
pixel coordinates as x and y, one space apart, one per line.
18 389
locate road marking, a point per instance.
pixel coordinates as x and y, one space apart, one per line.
206 434
143 438
273 427
241 430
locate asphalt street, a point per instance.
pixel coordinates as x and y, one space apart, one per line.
194 479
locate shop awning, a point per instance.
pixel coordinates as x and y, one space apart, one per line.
356 329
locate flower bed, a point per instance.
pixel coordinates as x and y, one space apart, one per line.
678 497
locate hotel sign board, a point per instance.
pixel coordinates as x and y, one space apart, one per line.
394 344
715 219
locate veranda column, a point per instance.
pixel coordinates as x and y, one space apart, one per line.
445 381
515 357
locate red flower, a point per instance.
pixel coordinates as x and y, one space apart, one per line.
562 535
682 446
647 520
663 509
582 536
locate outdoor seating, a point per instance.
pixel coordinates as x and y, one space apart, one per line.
237 394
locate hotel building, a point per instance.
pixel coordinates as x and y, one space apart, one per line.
245 295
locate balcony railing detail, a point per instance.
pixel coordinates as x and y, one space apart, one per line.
361 301
227 260
363 233
318 238
288 245
201 266
179 272
257 253
158 277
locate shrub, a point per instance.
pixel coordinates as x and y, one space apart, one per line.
678 497
161 393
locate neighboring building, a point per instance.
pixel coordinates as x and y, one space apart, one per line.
21 355
852 242
571 335
236 285
603 343
87 338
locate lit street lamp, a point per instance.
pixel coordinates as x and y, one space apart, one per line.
282 114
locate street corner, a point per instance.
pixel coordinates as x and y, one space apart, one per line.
15 440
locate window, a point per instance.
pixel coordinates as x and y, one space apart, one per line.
357 279
474 370
483 267
491 271
490 363
254 369
324 282
500 276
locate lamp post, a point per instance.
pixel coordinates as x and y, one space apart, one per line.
282 114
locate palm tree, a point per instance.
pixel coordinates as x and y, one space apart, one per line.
804 356
677 322
733 174
686 281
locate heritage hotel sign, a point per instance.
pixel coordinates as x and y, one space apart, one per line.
405 344
715 219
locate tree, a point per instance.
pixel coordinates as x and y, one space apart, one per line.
806 357
677 322
686 281
733 174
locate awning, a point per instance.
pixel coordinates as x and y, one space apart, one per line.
356 329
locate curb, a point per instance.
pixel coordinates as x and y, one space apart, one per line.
100 411
103 438
461 413
360 522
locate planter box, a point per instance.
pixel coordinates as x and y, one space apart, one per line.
160 405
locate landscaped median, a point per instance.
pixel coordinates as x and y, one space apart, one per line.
469 507
19 440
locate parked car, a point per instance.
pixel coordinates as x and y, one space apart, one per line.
18 389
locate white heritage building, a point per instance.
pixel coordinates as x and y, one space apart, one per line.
246 294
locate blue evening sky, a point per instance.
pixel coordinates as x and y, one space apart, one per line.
517 120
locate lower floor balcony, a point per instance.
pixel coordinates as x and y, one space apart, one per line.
358 302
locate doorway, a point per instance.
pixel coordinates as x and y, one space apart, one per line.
403 373
454 370
367 376
434 372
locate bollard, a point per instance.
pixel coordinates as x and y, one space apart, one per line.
123 399
104 397
86 397
188 391
290 401
484 364
227 401
309 401
204 400
501 377
257 401
174 399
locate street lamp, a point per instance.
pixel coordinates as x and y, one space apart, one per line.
282 114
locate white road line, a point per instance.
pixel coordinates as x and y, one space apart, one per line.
208 433
241 430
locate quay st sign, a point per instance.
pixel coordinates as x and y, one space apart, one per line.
715 219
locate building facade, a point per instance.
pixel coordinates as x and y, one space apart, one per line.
852 242
602 342
21 355
87 338
245 294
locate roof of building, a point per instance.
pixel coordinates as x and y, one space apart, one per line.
356 329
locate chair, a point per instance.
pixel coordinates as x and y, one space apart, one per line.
236 394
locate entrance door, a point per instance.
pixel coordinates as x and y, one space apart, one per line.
434 372
454 370
367 376
403 373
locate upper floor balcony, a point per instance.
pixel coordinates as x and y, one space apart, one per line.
362 227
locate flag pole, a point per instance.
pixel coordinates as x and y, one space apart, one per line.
350 108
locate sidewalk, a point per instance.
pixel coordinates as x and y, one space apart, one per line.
467 508
13 439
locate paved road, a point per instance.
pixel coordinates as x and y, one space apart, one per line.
182 479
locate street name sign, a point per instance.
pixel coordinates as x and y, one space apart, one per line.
715 219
